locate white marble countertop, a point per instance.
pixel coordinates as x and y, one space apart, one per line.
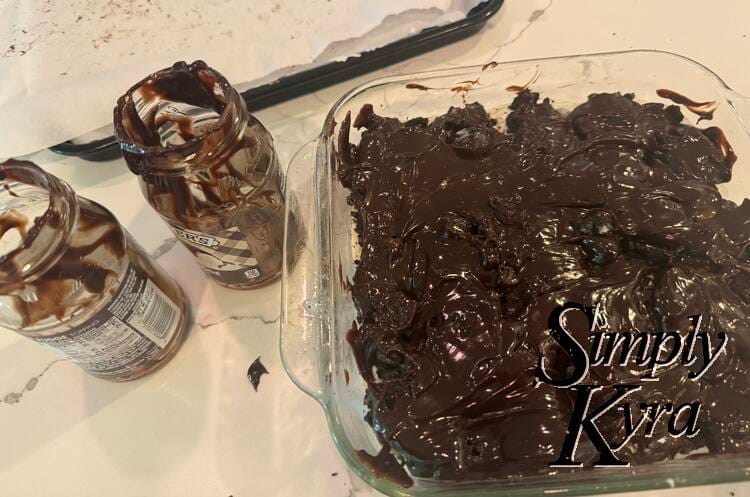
196 427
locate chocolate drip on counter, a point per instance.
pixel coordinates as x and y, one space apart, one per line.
254 372
471 236
218 179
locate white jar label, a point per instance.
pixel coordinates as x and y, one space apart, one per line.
132 329
224 255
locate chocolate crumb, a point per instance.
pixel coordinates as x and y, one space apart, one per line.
255 371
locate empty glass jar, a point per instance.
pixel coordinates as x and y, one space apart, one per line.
72 279
208 168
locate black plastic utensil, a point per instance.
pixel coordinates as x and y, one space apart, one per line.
311 80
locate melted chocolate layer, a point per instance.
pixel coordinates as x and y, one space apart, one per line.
471 236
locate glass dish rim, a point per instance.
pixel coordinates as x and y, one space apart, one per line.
381 81
737 469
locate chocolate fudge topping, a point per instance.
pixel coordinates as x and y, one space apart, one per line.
74 265
473 232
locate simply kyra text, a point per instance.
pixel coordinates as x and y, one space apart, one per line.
651 352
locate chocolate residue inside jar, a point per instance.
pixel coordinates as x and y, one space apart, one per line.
82 267
171 98
74 280
209 168
470 237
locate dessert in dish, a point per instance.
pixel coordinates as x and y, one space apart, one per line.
472 231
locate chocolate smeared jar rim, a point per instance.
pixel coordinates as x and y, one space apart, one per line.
53 228
195 84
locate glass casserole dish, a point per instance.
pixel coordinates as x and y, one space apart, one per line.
317 307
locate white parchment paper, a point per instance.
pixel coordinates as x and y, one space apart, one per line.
64 63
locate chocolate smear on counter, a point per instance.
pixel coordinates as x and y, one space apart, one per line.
704 110
255 371
416 86
470 236
489 65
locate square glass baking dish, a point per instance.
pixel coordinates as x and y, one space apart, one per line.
317 309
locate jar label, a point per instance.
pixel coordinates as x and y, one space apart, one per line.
224 255
131 330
